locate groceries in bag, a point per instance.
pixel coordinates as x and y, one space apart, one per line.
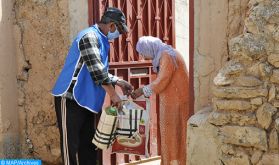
105 132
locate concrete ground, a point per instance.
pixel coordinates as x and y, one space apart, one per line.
151 161
156 162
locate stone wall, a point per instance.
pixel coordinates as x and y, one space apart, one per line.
42 31
216 22
246 93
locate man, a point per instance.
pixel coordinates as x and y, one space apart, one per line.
82 84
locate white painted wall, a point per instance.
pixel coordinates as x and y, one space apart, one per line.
78 14
182 28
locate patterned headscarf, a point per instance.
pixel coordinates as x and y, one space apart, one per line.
153 47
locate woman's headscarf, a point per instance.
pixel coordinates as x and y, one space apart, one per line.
153 47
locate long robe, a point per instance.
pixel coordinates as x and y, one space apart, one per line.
172 86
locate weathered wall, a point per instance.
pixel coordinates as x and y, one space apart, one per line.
202 144
245 112
8 88
78 16
42 30
182 28
215 23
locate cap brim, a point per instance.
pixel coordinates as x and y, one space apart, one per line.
124 28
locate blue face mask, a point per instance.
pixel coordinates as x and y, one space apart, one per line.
114 35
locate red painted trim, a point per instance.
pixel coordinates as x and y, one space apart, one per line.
173 24
191 57
90 12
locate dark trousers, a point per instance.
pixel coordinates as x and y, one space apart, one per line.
76 127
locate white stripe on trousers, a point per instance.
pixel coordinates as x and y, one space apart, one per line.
64 130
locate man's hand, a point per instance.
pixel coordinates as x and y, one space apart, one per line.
137 93
115 99
117 102
125 86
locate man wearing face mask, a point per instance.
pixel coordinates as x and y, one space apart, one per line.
82 85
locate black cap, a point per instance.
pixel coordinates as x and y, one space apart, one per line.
117 16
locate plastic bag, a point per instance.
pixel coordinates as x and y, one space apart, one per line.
132 131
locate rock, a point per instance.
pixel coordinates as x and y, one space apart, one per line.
276 34
239 92
239 158
221 80
277 124
275 76
254 70
243 118
217 118
276 47
264 115
40 1
244 136
272 13
248 81
257 101
251 26
200 134
276 104
263 14
269 29
239 105
274 60
272 93
235 16
269 159
256 156
228 149
248 45
231 68
270 47
265 69
254 23
200 118
273 140
260 69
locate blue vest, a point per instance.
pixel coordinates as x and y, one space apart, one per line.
86 93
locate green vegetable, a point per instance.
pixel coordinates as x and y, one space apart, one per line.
111 111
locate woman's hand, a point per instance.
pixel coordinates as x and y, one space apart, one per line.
137 93
125 86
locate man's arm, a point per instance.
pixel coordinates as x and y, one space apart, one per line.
126 87
90 53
